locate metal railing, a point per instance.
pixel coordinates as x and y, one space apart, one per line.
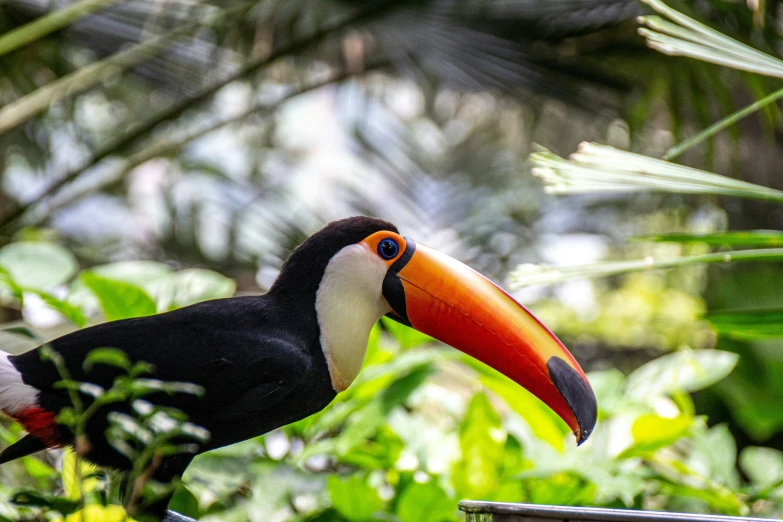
478 511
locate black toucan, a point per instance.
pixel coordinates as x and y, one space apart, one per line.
266 361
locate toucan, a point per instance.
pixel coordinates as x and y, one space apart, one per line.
269 360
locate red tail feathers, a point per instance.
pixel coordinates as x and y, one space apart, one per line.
39 423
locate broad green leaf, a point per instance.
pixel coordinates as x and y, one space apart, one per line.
651 432
185 503
192 286
763 466
353 497
139 273
564 489
748 324
110 356
406 336
761 238
681 371
607 386
380 453
714 455
37 265
119 300
482 442
71 312
39 470
721 500
366 421
544 423
425 503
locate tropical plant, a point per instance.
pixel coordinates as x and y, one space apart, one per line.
423 427
596 169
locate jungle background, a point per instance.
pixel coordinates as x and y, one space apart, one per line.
160 152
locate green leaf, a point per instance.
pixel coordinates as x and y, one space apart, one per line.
678 34
366 421
69 477
406 336
119 300
29 497
762 238
680 371
353 498
37 265
139 273
607 386
748 324
146 386
71 312
481 441
564 489
24 331
763 466
39 469
651 432
109 356
192 286
185 503
530 274
425 503
597 168
544 423
714 455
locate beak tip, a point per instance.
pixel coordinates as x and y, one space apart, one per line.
581 436
577 393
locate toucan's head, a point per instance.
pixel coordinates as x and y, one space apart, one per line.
359 269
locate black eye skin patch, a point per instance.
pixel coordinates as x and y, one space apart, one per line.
393 291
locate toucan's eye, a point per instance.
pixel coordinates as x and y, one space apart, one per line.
388 248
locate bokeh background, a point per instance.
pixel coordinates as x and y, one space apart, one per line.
161 143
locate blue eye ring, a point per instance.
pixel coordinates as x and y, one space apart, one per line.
388 249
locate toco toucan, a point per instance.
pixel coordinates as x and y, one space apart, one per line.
266 361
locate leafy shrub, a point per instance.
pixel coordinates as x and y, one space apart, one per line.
422 427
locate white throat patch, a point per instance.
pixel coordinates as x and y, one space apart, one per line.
349 301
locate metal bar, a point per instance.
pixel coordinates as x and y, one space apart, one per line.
531 512
173 516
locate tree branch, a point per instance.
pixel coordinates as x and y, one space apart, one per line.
142 129
49 23
171 146
82 79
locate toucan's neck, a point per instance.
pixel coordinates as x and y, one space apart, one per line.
343 304
332 285
348 302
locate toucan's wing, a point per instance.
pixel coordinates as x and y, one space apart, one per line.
201 344
227 346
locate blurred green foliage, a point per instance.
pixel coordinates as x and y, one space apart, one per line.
422 427
155 169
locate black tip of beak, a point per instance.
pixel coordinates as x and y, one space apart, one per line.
577 393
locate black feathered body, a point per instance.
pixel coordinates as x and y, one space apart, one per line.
258 363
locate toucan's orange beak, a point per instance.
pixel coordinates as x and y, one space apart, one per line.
445 299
